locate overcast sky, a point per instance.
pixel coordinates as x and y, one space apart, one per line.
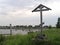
19 12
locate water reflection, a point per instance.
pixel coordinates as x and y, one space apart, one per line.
14 32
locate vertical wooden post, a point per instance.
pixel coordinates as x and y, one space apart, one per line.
10 29
41 19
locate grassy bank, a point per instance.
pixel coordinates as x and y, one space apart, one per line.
53 38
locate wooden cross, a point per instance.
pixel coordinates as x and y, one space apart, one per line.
41 8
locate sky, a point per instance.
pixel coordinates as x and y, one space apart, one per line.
19 12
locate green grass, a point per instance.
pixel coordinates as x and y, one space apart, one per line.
53 38
19 40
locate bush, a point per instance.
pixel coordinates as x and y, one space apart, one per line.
2 39
50 27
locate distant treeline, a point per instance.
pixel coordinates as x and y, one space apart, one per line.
19 27
24 27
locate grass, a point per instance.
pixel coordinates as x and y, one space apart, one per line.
18 40
53 38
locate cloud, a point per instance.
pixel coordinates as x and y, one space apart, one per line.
19 11
18 3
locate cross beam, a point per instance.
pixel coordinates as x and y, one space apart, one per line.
41 6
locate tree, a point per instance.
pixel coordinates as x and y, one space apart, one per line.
49 26
30 27
58 23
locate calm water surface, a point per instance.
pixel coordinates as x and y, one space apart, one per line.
7 31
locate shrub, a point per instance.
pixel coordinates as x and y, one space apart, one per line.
2 39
